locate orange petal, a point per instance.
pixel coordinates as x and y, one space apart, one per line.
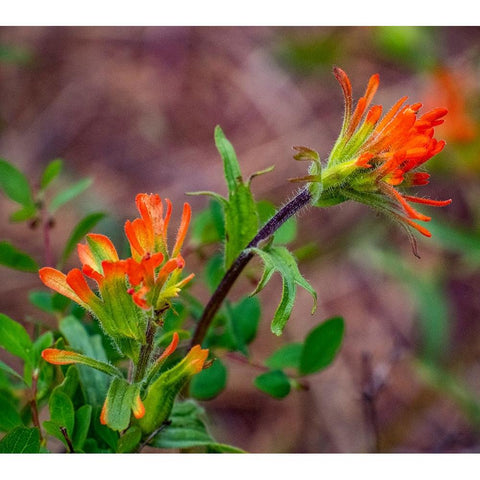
57 281
182 231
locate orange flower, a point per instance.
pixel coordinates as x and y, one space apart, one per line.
372 157
447 87
148 234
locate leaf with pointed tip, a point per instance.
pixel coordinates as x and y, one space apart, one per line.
14 338
69 194
51 172
321 345
241 217
15 184
81 229
277 258
12 257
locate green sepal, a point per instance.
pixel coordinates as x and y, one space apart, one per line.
119 402
278 258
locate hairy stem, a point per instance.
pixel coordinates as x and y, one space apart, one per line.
301 200
145 351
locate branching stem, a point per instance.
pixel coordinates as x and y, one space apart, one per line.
301 200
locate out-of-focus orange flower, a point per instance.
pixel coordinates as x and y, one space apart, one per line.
446 87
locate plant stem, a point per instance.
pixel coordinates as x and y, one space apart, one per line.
145 351
301 200
33 403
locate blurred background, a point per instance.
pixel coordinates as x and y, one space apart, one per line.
135 109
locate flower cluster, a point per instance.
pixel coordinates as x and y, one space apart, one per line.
373 156
132 295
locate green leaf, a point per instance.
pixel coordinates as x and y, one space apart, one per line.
287 356
51 172
82 424
214 271
209 382
241 217
11 257
277 258
69 194
94 383
25 213
274 383
41 300
209 225
120 399
9 416
62 411
129 441
21 440
321 345
187 430
14 338
244 319
70 382
81 229
14 184
4 367
41 343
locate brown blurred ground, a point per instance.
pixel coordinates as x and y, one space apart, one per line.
135 109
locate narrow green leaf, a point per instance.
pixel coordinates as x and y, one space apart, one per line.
14 184
41 343
11 257
274 383
82 424
209 382
321 345
21 440
287 356
14 338
278 258
229 157
241 217
62 411
25 213
9 416
70 382
4 367
51 172
81 229
129 441
94 383
69 194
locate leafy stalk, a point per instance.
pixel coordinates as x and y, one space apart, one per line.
301 200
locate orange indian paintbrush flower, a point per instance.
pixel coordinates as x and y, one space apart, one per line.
373 156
